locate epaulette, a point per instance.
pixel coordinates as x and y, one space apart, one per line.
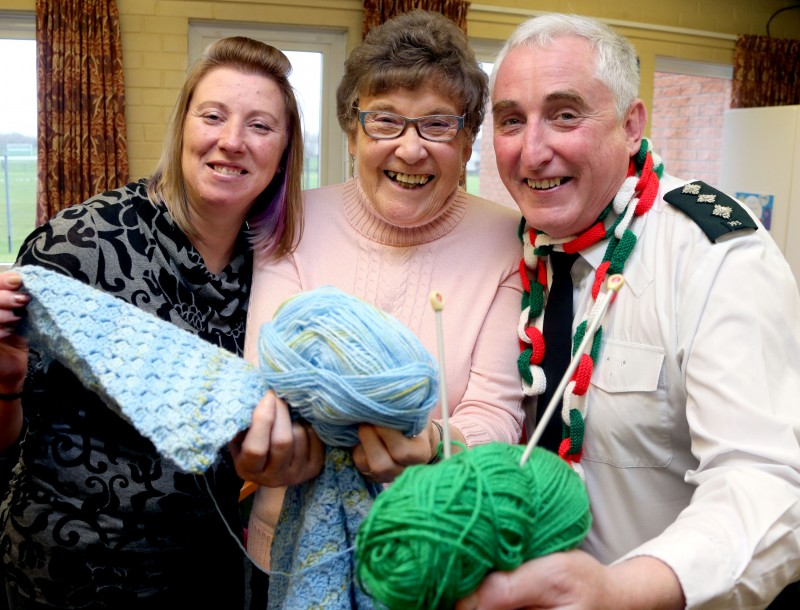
715 212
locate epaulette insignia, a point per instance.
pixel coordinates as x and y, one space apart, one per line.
715 212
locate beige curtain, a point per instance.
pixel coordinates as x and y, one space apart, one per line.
378 11
766 72
81 97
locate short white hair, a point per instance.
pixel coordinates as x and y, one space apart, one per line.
617 65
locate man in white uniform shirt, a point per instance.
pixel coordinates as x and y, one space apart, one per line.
687 433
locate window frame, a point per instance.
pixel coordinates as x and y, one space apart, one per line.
674 65
18 25
486 51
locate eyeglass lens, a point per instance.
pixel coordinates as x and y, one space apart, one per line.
436 127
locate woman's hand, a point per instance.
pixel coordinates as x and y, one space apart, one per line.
275 451
13 348
13 358
384 453
11 301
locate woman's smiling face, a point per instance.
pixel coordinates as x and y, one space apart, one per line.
234 135
409 180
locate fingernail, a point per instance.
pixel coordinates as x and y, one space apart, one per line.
14 281
21 299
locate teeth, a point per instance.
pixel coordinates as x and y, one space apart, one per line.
228 171
544 184
409 178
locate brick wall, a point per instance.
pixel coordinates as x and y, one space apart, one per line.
686 123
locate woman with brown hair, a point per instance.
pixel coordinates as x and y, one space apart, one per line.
94 517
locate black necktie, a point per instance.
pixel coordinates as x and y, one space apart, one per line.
557 333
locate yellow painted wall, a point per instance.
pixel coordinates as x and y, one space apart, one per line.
155 39
730 16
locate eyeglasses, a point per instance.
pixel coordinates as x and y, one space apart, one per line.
382 125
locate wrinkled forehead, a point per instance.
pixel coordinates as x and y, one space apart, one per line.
568 52
546 70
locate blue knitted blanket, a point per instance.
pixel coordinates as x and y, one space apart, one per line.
187 396
336 360
312 562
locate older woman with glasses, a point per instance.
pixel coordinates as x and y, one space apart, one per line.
411 102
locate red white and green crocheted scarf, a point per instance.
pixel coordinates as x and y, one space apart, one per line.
634 199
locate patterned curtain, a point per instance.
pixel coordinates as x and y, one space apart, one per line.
81 97
378 11
766 72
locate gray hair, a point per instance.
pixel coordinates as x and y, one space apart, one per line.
617 65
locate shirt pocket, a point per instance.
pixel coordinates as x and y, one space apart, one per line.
628 418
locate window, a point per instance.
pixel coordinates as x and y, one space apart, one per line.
317 58
482 177
17 132
689 99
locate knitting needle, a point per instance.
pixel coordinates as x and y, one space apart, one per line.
613 285
437 302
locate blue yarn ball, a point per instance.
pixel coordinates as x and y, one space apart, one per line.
340 362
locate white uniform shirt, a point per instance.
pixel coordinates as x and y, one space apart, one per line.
691 450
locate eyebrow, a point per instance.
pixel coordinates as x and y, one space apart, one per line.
388 107
501 105
568 96
550 98
222 105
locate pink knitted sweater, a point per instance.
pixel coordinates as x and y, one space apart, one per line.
470 254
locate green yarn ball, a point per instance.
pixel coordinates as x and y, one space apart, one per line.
432 537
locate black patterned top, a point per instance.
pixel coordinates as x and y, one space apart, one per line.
93 516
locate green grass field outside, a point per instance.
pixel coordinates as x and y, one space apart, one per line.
473 184
18 202
310 172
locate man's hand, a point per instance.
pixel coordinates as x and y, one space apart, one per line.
576 581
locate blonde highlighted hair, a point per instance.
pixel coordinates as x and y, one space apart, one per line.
275 220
